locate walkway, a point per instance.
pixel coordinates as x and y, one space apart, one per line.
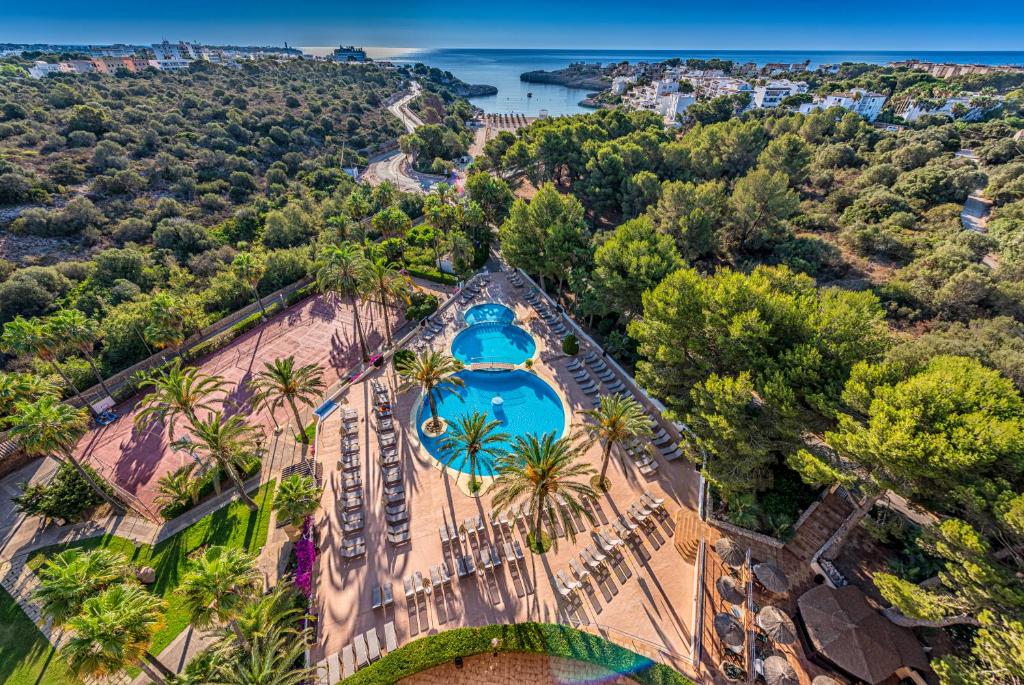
517 669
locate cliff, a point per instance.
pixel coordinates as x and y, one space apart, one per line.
583 76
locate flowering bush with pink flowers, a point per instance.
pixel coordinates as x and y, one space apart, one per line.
305 557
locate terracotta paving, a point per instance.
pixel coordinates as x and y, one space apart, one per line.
319 331
646 601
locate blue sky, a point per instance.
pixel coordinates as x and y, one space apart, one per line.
678 24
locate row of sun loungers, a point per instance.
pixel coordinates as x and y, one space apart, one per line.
364 649
350 495
515 279
396 514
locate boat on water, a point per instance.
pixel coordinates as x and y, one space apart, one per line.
529 94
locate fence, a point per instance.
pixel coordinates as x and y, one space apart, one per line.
652 650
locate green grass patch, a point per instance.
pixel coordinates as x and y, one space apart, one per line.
538 546
232 526
535 638
26 656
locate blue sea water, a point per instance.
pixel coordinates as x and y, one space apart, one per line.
501 68
528 406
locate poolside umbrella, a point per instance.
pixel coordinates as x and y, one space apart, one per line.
729 590
825 680
777 671
731 553
776 625
771 576
728 629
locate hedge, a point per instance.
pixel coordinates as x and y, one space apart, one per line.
429 273
536 638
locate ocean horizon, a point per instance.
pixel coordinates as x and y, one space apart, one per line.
501 67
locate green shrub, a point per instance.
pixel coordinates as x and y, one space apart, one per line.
402 356
67 496
176 509
570 345
536 638
421 305
429 273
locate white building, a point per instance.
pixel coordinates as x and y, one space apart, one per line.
672 104
868 105
774 92
960 107
174 56
665 86
621 83
41 69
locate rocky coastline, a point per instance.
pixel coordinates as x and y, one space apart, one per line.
583 77
475 90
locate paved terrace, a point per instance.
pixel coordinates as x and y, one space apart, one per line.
319 331
645 602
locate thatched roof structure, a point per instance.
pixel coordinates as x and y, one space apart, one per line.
844 629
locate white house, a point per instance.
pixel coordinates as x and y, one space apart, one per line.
959 107
621 83
774 92
41 69
868 105
672 104
665 86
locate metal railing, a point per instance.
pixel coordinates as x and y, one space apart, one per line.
642 646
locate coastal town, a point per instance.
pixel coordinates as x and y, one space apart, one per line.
314 370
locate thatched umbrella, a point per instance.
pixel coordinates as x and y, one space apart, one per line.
729 589
728 629
777 671
776 625
825 680
731 553
771 577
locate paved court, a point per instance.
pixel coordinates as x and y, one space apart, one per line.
319 331
644 599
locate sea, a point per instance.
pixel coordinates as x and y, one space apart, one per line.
502 67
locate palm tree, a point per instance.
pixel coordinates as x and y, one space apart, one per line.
177 391
50 427
281 382
22 387
80 332
262 614
619 419
431 372
180 487
384 279
267 660
249 268
472 435
229 443
169 317
217 587
297 497
542 475
35 338
341 270
69 578
114 631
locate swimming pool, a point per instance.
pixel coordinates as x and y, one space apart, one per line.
528 405
489 311
493 342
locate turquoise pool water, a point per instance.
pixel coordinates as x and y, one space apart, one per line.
528 406
489 311
493 342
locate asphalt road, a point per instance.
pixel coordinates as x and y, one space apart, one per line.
395 166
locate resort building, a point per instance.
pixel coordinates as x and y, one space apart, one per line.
621 83
772 93
348 53
965 107
41 69
868 105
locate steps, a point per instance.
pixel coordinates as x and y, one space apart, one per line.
688 532
820 525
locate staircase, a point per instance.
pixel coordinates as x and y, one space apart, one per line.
816 529
688 532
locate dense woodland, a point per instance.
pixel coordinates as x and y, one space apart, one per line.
798 290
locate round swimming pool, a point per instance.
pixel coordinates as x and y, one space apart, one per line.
489 311
528 405
493 342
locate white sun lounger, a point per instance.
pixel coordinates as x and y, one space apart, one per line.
578 569
362 656
562 589
567 581
348 662
373 644
390 640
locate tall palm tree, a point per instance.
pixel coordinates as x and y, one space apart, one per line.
229 443
431 372
69 578
297 497
80 332
472 435
619 419
280 382
114 631
33 337
249 268
22 387
178 391
50 427
259 616
179 487
168 320
387 283
267 660
341 270
543 474
217 587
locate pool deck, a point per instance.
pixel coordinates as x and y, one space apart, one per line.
645 602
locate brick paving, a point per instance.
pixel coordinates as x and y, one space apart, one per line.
318 331
646 600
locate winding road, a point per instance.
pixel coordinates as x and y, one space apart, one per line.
396 166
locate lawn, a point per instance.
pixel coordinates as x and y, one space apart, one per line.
26 657
233 526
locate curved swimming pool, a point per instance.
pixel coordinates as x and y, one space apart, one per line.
489 311
528 405
493 342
